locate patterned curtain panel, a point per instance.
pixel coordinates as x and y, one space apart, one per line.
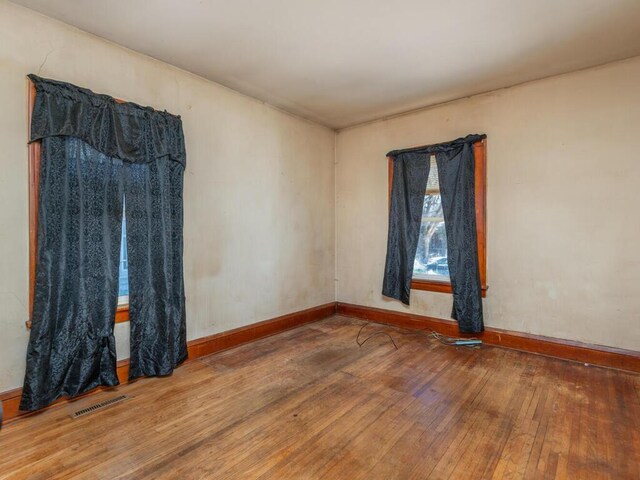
97 154
456 164
153 193
410 175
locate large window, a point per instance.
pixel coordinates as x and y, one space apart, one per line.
122 314
430 266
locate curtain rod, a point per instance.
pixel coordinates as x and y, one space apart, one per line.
472 138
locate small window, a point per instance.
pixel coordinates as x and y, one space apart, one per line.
430 266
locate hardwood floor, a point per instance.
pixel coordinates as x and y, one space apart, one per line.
310 404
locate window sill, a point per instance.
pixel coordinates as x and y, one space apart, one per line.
122 314
436 286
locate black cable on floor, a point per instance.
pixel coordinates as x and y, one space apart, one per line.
360 344
445 340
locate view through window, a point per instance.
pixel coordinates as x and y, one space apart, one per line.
123 277
431 268
431 256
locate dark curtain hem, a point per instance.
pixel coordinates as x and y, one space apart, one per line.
138 372
28 404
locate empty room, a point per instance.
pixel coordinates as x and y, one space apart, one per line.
303 239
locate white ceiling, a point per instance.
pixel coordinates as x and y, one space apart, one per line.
343 62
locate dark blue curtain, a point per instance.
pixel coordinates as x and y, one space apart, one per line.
156 289
456 175
410 175
96 154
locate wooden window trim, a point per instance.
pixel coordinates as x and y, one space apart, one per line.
122 312
480 152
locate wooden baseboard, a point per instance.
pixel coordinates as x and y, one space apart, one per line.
566 349
197 348
221 341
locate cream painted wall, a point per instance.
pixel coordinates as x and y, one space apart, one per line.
259 186
563 204
269 220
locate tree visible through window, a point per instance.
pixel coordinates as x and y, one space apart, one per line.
431 257
430 267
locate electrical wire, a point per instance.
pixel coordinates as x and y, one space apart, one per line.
360 344
445 340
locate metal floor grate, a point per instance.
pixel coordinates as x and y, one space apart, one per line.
99 406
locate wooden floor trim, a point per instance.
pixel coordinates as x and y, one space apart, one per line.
621 359
566 349
197 348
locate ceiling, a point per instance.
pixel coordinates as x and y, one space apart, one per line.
344 62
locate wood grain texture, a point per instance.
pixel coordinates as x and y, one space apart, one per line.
122 314
434 286
480 190
565 349
34 187
309 403
197 348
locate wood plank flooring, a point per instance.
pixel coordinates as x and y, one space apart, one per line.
310 404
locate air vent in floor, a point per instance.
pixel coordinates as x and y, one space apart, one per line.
99 406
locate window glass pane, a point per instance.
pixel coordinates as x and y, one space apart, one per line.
432 208
432 182
123 279
431 255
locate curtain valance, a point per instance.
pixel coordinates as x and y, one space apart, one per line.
126 131
102 160
439 147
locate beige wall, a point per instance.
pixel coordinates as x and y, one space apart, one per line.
259 186
563 204
260 192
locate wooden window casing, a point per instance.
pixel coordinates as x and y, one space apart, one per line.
122 312
480 152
